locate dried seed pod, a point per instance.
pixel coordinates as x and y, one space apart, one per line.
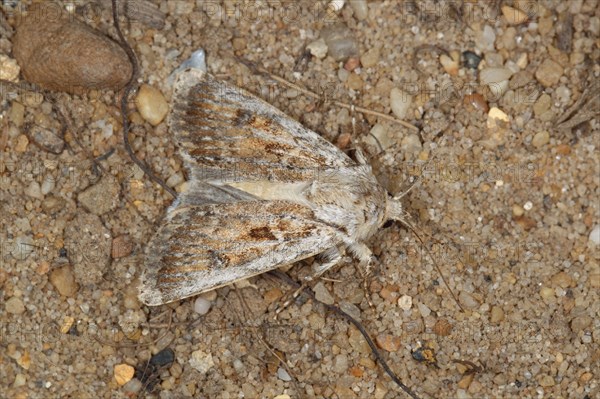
60 53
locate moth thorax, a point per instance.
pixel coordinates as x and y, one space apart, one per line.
394 209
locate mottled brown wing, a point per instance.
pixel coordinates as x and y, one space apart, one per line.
226 133
200 248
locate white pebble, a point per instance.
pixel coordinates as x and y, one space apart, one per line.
400 102
405 302
9 69
201 361
361 11
595 235
527 206
423 309
202 306
318 48
494 75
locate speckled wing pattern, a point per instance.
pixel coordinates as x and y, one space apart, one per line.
241 215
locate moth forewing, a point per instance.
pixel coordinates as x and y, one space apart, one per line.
264 192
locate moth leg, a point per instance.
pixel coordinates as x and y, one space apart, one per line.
366 261
328 259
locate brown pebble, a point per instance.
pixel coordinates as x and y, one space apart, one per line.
352 64
123 373
585 377
63 280
563 149
388 342
465 381
525 222
64 54
563 280
356 371
496 314
477 101
121 247
344 140
442 328
272 295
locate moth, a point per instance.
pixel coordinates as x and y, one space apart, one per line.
263 192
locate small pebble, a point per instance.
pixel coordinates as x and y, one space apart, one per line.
494 75
202 306
284 396
370 58
405 302
465 381
400 102
388 342
322 294
513 16
23 247
471 60
340 363
442 328
477 101
102 197
63 280
318 48
540 139
496 118
9 69
360 8
22 143
411 144
201 361
450 65
151 105
484 40
163 358
121 246
562 279
46 139
20 380
528 206
468 300
517 210
283 375
423 309
351 64
547 293
34 190
132 387
549 72
14 305
48 184
594 237
123 373
496 314
340 41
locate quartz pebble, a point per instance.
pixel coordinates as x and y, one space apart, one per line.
9 69
360 8
594 237
322 294
63 280
405 302
201 361
467 300
202 305
34 190
340 42
151 104
400 102
318 48
450 65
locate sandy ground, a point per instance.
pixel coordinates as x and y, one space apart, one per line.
507 210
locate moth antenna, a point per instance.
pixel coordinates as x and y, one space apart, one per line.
435 264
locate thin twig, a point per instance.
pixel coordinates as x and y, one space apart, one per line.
357 324
309 93
131 85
